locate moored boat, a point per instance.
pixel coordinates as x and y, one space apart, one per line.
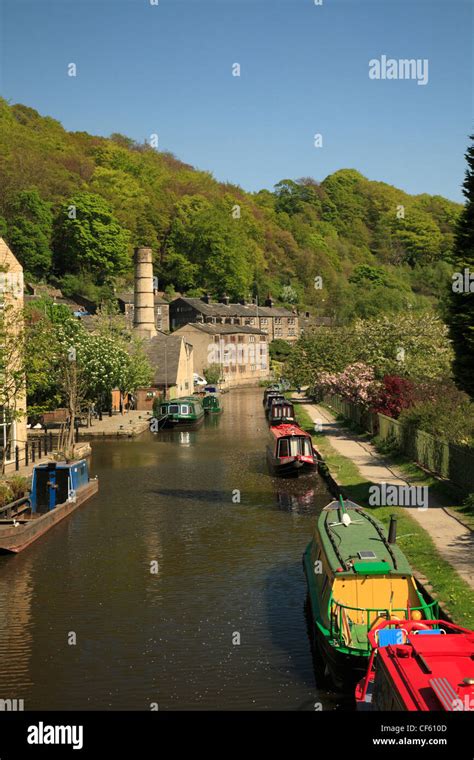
187 410
272 389
418 666
212 404
58 488
357 577
271 399
281 411
290 450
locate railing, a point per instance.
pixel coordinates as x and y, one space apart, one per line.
7 511
448 460
336 612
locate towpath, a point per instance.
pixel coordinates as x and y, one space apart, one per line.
454 541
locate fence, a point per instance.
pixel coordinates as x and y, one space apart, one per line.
37 446
455 463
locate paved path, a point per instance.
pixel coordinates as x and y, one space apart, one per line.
127 424
454 541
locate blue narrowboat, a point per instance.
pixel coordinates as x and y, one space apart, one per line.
57 489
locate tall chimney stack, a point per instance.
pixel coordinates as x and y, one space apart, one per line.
144 310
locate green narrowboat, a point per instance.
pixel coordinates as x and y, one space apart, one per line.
181 411
212 404
357 577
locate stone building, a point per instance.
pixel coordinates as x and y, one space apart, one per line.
275 321
172 360
240 351
12 433
161 307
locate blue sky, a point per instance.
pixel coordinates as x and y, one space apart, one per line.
167 69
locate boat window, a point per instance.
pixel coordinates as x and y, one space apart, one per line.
174 409
284 448
184 409
163 410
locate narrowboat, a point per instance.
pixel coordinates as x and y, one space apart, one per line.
57 489
181 411
271 398
290 450
418 666
211 404
271 389
357 576
281 411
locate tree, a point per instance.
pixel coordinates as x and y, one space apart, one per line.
279 349
12 370
88 238
212 374
29 231
461 304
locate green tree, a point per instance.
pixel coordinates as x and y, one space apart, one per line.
461 304
88 238
29 231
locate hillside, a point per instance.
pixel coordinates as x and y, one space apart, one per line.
73 206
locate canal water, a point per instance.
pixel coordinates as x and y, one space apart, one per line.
220 625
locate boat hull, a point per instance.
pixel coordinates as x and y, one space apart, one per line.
291 467
183 422
14 540
344 670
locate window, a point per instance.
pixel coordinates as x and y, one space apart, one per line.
291 320
294 446
158 310
5 433
174 409
278 320
264 321
164 409
291 331
185 409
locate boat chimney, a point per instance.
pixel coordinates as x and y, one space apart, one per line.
144 302
392 531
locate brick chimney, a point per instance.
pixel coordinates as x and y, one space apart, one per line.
206 298
144 302
225 299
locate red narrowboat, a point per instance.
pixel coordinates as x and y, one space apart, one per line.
418 666
290 450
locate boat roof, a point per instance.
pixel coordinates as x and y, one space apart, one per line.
59 465
365 534
432 672
283 431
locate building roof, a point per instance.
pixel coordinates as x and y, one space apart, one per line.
163 352
212 329
234 309
128 297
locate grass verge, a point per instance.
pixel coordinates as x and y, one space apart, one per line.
443 581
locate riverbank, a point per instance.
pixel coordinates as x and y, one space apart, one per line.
128 425
443 561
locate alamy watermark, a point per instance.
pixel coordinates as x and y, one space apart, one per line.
253 354
403 68
463 282
390 495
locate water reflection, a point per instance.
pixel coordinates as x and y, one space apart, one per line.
225 565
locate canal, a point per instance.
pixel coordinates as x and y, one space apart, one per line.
180 584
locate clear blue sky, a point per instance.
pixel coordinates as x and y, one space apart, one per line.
167 69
